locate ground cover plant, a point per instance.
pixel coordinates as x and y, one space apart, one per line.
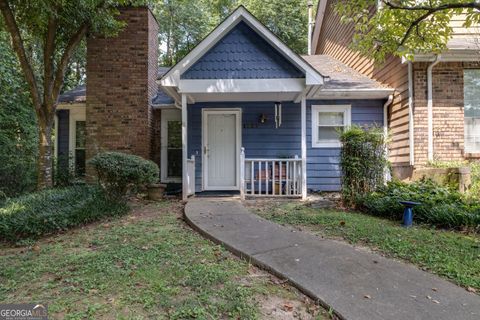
439 205
50 211
148 264
452 255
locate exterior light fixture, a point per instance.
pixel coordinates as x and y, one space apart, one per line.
263 118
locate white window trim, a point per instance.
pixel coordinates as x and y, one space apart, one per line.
77 113
346 109
167 115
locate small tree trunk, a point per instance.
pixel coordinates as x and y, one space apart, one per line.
45 154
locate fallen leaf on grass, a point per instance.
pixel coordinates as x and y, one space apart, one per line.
287 306
470 289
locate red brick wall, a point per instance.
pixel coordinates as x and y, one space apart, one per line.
448 125
121 75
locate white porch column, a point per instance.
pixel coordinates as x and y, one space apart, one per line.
184 148
304 146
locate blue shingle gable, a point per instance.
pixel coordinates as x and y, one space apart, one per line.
242 54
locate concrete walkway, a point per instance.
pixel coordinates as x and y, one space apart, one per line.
355 283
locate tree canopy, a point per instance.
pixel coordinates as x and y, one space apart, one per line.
184 23
403 27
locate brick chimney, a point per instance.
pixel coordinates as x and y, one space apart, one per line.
121 75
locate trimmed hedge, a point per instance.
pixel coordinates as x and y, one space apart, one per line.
119 173
54 210
440 205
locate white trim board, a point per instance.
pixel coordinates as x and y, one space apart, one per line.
322 5
172 114
241 85
238 133
77 112
172 77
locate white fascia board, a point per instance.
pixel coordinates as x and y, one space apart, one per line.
322 4
312 75
241 85
352 94
172 77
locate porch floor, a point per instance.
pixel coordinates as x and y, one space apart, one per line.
355 283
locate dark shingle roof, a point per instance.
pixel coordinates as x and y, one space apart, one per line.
341 75
162 71
162 98
78 94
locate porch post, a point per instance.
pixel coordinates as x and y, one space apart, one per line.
304 146
184 148
242 173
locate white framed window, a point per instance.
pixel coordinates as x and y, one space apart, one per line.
171 145
471 90
327 120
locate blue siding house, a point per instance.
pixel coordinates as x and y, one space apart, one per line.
243 113
259 119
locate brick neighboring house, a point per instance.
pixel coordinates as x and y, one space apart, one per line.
454 129
240 113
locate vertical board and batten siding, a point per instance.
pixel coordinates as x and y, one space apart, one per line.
242 54
63 136
335 39
264 141
323 164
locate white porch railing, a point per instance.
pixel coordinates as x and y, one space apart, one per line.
261 177
191 176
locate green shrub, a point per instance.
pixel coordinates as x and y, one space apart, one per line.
440 205
118 173
363 161
18 127
54 210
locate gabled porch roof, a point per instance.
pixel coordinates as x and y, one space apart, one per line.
295 80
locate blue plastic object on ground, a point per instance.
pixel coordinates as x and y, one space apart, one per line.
408 212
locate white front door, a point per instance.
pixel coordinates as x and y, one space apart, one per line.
221 149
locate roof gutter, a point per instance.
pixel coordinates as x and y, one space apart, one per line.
385 114
438 58
389 101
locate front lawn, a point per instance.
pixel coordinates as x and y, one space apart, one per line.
452 255
148 264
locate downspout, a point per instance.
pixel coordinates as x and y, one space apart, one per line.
389 101
411 136
310 25
385 114
430 105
